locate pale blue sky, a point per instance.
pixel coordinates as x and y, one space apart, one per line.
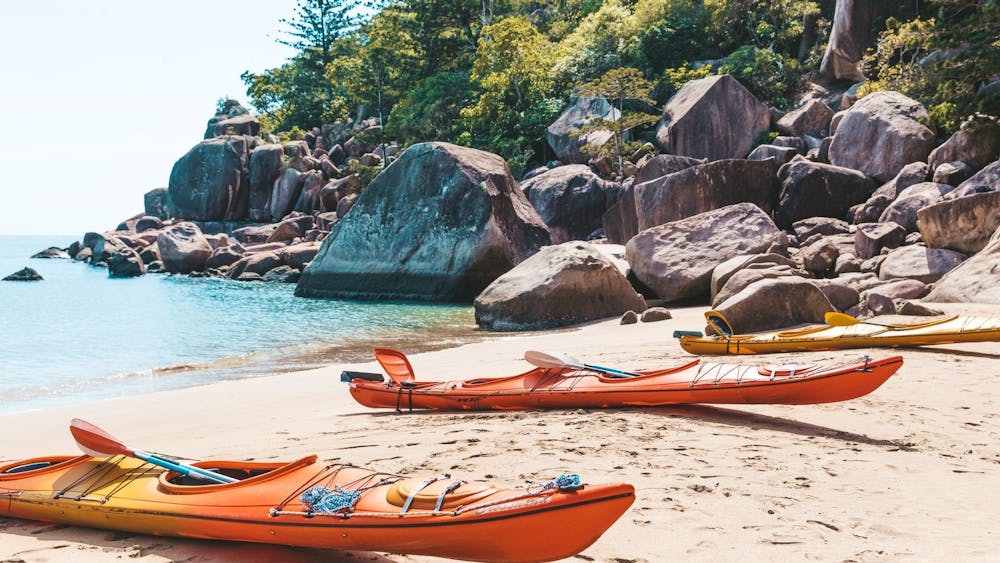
99 98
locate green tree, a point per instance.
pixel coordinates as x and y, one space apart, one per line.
512 72
431 110
618 86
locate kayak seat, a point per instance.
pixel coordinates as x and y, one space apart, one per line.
396 366
426 495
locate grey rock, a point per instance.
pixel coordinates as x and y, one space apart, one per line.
52 252
676 259
976 143
266 163
919 263
440 223
157 202
24 274
703 188
805 229
184 248
953 173
977 280
285 194
775 303
871 238
909 175
725 270
880 134
850 36
812 118
781 155
841 295
561 285
657 166
654 314
211 181
125 263
904 210
986 180
810 189
569 199
820 256
561 135
963 224
629 318
714 118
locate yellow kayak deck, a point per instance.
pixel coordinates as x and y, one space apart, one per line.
865 334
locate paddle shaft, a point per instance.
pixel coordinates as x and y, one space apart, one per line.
182 468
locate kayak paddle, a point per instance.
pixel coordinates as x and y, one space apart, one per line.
543 360
834 318
96 442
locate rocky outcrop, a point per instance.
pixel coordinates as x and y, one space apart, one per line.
986 180
904 210
770 304
813 118
569 199
745 277
229 109
725 270
880 134
977 280
963 224
309 196
240 125
713 118
806 229
620 221
781 155
24 274
703 188
291 227
440 223
210 182
266 162
849 37
561 135
183 248
299 255
676 260
909 175
952 173
561 285
820 256
259 263
810 189
125 263
917 262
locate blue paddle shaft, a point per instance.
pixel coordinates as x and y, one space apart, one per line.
184 469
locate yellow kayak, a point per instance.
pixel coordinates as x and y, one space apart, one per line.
851 333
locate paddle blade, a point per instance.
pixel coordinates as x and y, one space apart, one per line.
834 318
95 441
543 360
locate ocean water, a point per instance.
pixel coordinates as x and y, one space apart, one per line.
79 335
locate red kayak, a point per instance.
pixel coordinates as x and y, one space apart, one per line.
581 385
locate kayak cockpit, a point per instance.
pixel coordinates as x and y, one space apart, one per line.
38 466
246 473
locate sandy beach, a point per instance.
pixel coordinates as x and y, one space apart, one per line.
909 472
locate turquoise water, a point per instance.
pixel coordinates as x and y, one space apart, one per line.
79 335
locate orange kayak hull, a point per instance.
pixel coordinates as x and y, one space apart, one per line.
476 521
696 382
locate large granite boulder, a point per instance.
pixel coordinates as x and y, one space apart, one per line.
748 276
657 166
210 182
880 134
440 223
904 210
258 263
769 304
562 134
977 280
561 285
285 194
157 203
713 118
102 245
125 263
911 174
183 248
917 262
850 36
963 224
781 155
299 255
569 199
294 226
703 188
810 189
309 196
266 162
976 144
806 229
676 260
812 118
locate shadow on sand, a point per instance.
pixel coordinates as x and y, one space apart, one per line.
172 549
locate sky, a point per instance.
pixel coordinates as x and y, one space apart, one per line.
98 99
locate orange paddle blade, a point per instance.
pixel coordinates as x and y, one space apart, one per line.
95 441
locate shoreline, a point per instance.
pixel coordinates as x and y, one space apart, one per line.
899 473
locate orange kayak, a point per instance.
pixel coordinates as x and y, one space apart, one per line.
312 504
572 387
